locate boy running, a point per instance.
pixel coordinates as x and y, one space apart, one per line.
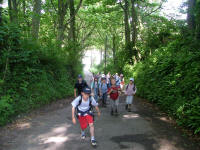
130 91
113 91
83 104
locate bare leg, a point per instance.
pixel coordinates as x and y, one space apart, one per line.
91 129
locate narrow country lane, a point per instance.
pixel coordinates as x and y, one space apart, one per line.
141 129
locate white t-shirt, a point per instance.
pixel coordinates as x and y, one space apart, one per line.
84 106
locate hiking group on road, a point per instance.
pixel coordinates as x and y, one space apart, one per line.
102 88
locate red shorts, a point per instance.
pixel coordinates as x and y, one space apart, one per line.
85 120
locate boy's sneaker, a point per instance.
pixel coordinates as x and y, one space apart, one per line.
111 113
126 107
116 113
83 136
93 142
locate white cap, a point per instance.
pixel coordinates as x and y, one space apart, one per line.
131 79
103 76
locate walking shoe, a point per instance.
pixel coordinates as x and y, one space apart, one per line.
83 136
116 112
93 142
126 107
111 113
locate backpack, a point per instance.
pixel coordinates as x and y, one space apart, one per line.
89 111
101 87
134 88
106 84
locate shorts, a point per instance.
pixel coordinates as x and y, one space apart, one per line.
85 120
129 99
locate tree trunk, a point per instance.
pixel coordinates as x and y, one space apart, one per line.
133 22
1 1
126 21
62 10
190 15
114 50
198 20
101 55
13 11
105 54
36 18
72 30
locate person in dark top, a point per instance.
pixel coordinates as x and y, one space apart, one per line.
79 86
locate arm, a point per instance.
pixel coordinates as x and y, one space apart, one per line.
135 90
100 90
110 91
75 92
98 111
73 115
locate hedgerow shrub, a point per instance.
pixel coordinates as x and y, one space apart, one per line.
31 75
170 78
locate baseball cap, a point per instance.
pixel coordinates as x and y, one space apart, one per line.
131 79
79 76
87 90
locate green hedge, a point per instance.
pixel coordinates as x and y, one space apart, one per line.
31 75
170 78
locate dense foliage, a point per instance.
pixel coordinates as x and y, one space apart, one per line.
42 44
30 77
166 60
170 78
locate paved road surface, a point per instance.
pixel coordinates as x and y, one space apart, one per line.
142 129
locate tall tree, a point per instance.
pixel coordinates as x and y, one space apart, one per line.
62 11
13 10
133 22
36 18
72 30
126 21
114 48
190 15
1 1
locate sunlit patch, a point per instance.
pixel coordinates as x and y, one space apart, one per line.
130 116
60 130
166 145
24 125
164 119
55 140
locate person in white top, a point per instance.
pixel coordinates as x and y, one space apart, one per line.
130 92
83 105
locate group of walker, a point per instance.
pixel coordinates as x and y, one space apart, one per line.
89 97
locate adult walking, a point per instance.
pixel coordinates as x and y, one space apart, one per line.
79 86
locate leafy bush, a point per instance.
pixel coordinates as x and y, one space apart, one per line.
31 74
170 78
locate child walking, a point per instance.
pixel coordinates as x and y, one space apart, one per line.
130 92
95 88
103 89
113 91
83 105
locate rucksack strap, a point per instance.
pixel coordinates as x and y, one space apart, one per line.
89 111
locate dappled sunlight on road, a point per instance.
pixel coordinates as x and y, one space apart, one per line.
130 116
24 125
165 119
55 139
166 144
